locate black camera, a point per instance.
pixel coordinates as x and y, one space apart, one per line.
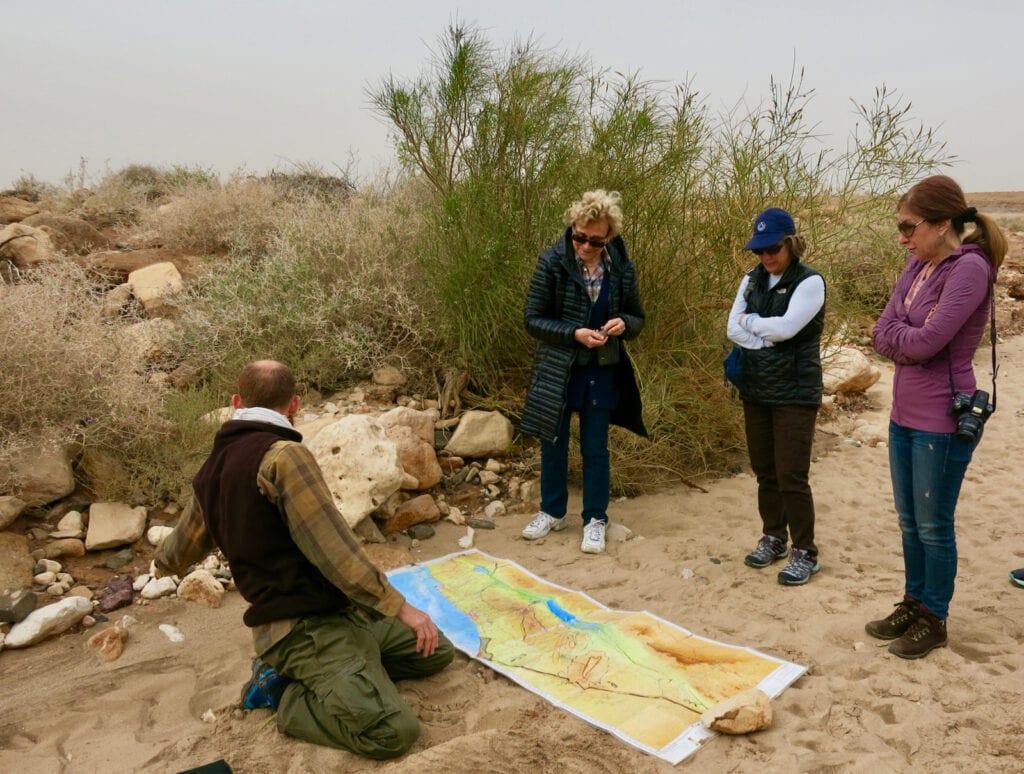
973 410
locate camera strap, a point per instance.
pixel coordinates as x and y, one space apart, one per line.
992 339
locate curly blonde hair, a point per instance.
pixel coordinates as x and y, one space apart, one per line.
597 205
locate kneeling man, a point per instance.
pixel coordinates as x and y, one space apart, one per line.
331 633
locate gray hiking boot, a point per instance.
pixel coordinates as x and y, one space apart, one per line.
769 549
802 565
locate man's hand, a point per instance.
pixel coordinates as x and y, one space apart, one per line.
419 622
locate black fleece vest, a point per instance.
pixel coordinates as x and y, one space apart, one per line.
789 373
272 574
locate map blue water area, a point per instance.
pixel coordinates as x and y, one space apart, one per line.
564 615
421 590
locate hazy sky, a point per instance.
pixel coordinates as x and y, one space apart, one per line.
256 85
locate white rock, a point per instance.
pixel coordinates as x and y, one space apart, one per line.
173 633
65 577
88 622
114 524
687 573
481 434
620 533
51 565
72 522
494 509
47 621
156 535
159 587
467 540
360 464
455 516
209 716
155 285
140 582
845 369
44 578
211 563
127 622
56 589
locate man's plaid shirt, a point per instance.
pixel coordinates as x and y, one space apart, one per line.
291 479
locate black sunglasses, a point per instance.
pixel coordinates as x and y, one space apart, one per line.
592 241
773 250
907 229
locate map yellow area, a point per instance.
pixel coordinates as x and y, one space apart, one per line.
641 677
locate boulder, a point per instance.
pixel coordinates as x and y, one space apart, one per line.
360 464
114 524
156 286
200 586
42 474
147 341
15 606
47 621
115 301
845 369
26 247
15 562
109 643
417 457
481 434
68 234
420 422
418 510
63 547
10 509
115 265
388 376
748 711
14 210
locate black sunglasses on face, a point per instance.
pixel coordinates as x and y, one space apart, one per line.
592 241
773 250
907 229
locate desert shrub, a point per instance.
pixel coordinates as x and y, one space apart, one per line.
334 297
66 377
239 216
31 188
507 139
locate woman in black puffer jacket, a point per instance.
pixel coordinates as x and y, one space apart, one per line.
582 304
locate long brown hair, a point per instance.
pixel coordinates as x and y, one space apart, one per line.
939 197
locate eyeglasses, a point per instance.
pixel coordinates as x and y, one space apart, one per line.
592 241
773 250
907 229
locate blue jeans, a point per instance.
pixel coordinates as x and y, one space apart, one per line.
554 466
927 471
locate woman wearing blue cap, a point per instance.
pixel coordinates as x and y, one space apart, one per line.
777 319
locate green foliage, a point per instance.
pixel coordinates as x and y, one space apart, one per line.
506 140
329 298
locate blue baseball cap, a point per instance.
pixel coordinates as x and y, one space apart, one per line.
770 227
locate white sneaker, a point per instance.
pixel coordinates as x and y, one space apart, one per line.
593 537
542 524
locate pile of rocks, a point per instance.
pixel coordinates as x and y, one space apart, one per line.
392 464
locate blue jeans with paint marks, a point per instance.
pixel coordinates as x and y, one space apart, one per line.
927 472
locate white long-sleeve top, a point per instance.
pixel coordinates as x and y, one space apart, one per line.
756 332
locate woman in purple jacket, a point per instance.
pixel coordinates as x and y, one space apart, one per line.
931 328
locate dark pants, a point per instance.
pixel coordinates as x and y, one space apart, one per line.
344 667
554 466
779 440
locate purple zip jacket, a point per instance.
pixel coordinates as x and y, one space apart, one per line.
941 328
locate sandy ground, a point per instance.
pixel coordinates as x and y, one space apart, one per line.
857 709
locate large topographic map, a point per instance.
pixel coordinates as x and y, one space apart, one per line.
631 673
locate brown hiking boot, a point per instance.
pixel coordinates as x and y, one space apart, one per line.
897 622
925 635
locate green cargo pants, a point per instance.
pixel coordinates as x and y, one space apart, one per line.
344 667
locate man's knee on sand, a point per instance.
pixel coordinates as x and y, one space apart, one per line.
391 737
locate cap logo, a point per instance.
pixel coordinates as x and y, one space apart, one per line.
762 226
